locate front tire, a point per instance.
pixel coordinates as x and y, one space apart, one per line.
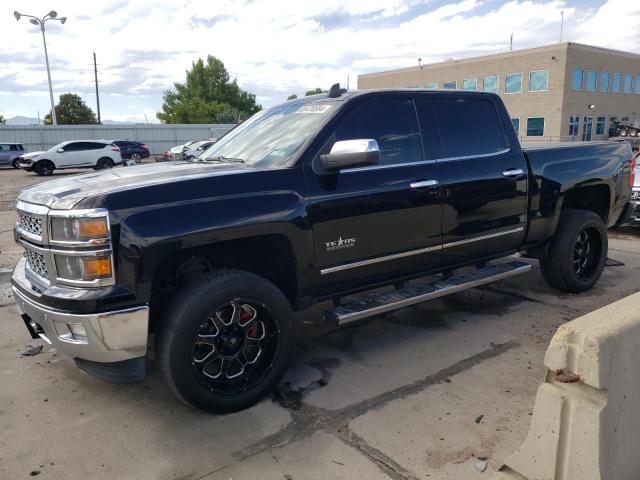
225 340
14 164
44 168
577 253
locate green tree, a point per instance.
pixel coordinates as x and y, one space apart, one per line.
292 97
315 92
207 96
71 110
2 120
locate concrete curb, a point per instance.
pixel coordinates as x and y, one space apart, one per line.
585 421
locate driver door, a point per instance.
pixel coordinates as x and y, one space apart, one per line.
377 221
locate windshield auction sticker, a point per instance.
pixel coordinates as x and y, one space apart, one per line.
315 108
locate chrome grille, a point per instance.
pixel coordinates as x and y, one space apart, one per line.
635 195
30 224
36 263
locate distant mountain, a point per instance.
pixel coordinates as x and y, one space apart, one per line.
19 120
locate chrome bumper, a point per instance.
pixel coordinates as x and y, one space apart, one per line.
110 336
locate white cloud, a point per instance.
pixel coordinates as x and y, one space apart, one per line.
274 47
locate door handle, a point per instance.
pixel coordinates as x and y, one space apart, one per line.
513 172
423 184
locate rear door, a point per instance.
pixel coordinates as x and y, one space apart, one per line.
484 179
377 221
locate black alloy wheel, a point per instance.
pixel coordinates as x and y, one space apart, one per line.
44 168
104 163
234 347
586 252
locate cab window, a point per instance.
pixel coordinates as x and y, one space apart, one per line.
392 122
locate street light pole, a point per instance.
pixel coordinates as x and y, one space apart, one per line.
52 15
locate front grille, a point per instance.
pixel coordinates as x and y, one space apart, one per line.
30 224
36 263
635 195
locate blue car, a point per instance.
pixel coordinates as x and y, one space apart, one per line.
131 150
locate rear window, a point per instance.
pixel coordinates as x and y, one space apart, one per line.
468 126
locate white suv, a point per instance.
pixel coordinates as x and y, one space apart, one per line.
98 154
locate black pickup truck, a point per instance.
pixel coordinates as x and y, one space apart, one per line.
310 201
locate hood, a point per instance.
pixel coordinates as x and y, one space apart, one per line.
30 155
66 192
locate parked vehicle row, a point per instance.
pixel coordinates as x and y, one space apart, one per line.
625 130
307 202
188 150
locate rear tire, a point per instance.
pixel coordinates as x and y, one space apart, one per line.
44 168
209 357
577 253
104 163
136 157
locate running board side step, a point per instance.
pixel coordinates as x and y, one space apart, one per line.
376 304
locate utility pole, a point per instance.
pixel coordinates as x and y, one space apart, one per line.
95 72
511 43
561 24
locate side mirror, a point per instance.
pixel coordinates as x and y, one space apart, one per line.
350 153
60 150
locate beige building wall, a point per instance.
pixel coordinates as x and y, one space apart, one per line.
556 104
607 104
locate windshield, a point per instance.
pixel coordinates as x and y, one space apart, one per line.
272 136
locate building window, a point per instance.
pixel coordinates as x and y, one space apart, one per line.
491 84
625 120
470 84
628 81
451 85
431 85
600 125
617 80
539 81
414 85
604 81
516 125
638 84
513 83
613 124
592 78
578 74
535 126
574 125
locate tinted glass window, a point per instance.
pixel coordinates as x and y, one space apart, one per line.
470 84
613 124
392 122
539 81
4 147
638 84
592 77
72 147
604 81
578 73
513 83
431 85
485 135
449 85
600 126
628 80
535 127
574 125
490 84
617 80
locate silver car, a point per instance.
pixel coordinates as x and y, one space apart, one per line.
9 153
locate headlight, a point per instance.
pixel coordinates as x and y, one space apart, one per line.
83 269
72 229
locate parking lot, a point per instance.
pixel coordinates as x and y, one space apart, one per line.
422 393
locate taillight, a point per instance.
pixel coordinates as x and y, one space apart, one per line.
115 149
632 176
144 145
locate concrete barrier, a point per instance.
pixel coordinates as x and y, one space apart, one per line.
586 419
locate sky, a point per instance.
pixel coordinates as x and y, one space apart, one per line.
272 47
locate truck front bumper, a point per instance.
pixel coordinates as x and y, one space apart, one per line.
110 345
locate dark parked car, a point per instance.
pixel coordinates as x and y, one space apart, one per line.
9 153
310 201
130 150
